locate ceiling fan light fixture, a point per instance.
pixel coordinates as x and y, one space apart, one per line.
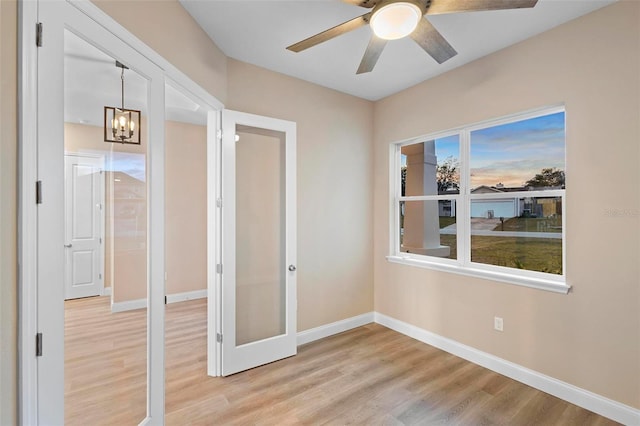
395 20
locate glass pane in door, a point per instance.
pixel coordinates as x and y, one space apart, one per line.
260 234
106 280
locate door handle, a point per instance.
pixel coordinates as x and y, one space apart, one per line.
68 245
292 268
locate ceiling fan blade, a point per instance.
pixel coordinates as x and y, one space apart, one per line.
362 3
454 6
433 42
371 55
345 27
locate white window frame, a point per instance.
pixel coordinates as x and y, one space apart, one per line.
463 264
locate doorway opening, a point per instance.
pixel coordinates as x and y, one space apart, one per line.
190 250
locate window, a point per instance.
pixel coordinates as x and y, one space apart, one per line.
484 200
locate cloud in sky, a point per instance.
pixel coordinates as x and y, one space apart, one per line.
129 163
513 153
510 174
448 147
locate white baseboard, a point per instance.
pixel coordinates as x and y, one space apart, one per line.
106 291
327 330
130 305
598 404
187 295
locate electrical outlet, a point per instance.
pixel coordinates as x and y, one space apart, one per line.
498 324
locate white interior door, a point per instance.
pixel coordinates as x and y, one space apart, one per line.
84 226
259 240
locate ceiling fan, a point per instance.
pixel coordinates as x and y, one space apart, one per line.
395 19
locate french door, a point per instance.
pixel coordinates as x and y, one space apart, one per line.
252 308
60 22
258 241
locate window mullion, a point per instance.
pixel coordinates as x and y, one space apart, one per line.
464 235
428 197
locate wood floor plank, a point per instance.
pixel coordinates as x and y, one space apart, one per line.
370 375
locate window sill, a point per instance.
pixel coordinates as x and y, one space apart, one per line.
538 283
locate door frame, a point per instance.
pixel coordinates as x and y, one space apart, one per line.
28 212
102 253
58 16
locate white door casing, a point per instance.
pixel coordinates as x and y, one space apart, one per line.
84 225
237 354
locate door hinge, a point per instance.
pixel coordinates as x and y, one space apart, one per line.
219 268
99 276
219 135
218 337
100 240
39 192
39 344
39 34
165 300
219 202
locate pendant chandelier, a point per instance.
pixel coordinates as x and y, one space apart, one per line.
121 125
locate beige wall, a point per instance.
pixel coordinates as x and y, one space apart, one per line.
590 337
186 207
334 133
8 211
185 211
166 27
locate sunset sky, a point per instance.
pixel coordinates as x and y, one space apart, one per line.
511 153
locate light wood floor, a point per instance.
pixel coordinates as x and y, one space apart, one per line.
370 375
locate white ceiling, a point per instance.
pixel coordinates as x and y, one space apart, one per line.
92 81
258 32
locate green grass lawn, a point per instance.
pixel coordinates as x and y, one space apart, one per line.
450 241
531 224
533 254
446 221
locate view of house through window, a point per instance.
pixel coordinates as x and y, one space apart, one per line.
503 208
